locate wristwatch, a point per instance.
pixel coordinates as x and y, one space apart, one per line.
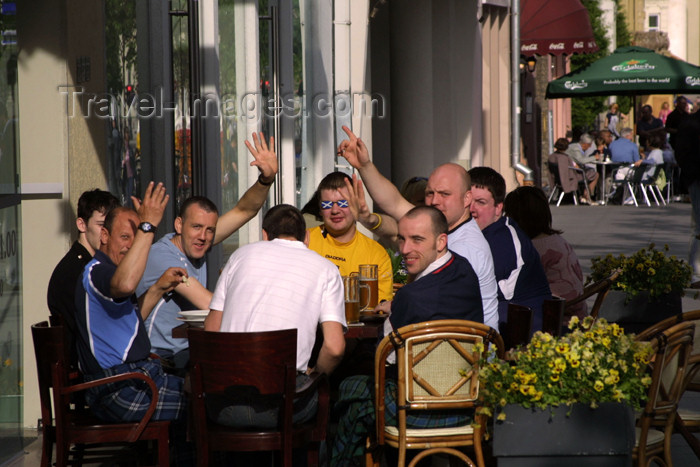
147 227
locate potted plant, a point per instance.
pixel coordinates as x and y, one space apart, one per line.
648 289
398 267
567 396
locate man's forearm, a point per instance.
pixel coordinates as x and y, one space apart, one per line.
246 208
383 192
327 362
149 300
132 266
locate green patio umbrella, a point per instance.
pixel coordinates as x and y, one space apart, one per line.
628 71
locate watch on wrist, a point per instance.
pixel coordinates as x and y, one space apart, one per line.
263 182
147 227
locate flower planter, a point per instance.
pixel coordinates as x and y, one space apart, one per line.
587 437
639 313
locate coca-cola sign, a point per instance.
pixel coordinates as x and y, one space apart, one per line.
556 46
528 47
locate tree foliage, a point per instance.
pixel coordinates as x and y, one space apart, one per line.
585 109
120 43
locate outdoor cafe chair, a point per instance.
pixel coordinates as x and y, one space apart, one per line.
69 424
649 185
265 362
688 421
655 426
429 357
558 187
599 289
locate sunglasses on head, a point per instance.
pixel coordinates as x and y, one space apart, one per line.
342 203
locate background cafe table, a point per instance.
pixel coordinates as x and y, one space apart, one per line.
604 164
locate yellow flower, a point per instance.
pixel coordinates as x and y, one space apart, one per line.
497 385
554 377
651 271
562 347
501 416
598 385
575 363
525 389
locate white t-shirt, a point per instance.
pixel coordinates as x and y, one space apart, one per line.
468 241
279 284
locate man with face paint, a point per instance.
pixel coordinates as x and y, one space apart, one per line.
198 227
338 240
519 272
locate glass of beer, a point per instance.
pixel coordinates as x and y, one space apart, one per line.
352 298
368 277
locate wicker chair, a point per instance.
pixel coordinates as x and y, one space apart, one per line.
429 357
668 372
688 421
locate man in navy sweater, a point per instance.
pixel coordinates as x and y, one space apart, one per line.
519 272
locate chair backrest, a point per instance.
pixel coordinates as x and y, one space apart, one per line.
693 370
553 315
264 360
516 331
599 288
668 371
554 170
49 349
429 358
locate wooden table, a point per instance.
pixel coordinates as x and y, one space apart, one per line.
369 329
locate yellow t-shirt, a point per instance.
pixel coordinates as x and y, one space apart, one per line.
348 257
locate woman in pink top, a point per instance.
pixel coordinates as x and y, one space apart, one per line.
528 207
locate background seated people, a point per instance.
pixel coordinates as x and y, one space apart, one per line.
443 286
584 157
648 125
569 178
528 206
338 239
521 279
198 227
276 284
654 157
111 336
449 190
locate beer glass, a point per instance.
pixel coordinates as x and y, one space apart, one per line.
353 298
368 276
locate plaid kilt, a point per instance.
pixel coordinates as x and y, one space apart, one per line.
128 401
357 419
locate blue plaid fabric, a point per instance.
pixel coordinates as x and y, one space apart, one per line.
127 401
357 418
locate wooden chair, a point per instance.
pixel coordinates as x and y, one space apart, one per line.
672 347
553 315
267 362
600 289
67 425
687 421
429 356
516 332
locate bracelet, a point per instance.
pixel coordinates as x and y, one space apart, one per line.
264 183
378 223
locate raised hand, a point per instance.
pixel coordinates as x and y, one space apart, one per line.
355 195
265 157
152 207
354 150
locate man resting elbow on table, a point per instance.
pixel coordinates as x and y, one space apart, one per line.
275 284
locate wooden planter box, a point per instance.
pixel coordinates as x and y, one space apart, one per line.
549 438
639 313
